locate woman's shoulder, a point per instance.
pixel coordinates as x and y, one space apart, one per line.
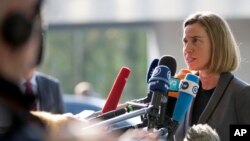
241 83
242 89
242 98
234 85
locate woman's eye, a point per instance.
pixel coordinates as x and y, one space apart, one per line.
184 41
195 40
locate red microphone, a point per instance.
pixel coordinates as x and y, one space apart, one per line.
116 90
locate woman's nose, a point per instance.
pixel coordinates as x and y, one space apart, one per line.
188 48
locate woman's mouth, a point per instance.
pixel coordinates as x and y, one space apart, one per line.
189 59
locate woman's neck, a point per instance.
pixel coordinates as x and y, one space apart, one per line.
209 80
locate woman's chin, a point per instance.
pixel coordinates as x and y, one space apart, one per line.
193 68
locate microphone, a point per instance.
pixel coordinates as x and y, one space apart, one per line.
116 90
173 92
159 85
167 108
146 99
129 108
151 68
171 63
121 130
188 90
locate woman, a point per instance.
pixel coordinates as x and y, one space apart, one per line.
210 49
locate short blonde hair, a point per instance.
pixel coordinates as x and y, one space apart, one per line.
225 54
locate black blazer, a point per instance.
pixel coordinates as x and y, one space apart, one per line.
49 94
228 105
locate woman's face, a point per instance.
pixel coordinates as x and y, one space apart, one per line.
196 47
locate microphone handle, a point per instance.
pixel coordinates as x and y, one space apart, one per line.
163 119
117 112
120 106
120 118
144 100
94 115
171 129
125 128
112 114
154 111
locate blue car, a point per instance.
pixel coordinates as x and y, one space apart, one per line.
76 104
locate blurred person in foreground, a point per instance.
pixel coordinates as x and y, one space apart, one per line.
20 39
209 48
20 46
201 132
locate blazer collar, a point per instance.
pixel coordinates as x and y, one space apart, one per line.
218 93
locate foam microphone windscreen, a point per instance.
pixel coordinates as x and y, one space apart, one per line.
170 62
151 68
182 73
116 90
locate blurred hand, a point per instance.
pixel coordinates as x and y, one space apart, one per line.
66 127
139 135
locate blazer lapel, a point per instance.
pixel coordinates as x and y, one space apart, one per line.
39 92
219 91
188 121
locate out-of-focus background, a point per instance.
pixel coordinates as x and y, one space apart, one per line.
90 40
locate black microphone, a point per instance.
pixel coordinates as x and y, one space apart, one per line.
171 63
159 85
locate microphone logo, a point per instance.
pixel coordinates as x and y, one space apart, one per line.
184 85
173 83
159 81
157 71
195 89
169 74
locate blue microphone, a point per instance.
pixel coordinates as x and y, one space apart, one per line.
159 80
173 92
151 68
188 90
159 85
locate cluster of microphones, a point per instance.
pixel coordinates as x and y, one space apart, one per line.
168 98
